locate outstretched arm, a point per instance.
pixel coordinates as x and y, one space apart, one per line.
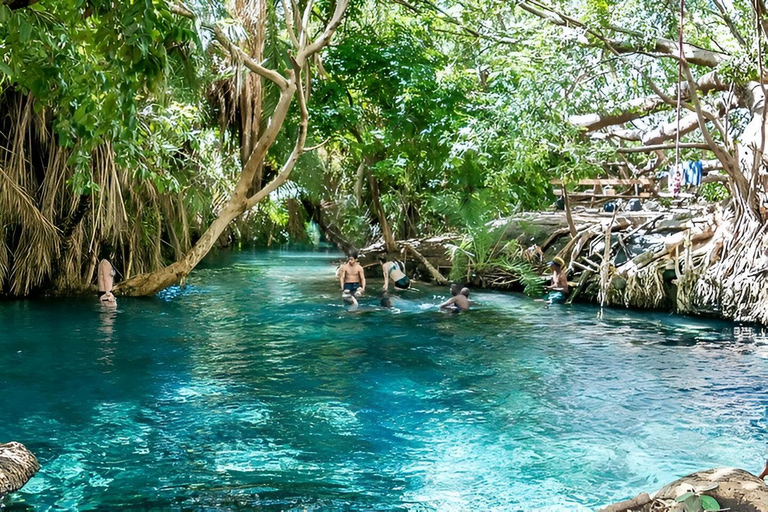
386 278
447 303
341 277
362 279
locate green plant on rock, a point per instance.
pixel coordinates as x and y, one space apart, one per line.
695 501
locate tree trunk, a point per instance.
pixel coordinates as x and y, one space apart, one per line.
150 284
386 232
731 279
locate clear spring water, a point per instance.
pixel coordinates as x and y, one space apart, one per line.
254 388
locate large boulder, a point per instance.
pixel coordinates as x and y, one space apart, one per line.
17 466
736 489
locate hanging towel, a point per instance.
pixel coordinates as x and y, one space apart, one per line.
696 168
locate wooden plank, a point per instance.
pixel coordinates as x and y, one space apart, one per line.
617 196
610 181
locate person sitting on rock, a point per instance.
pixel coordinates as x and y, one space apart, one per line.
558 290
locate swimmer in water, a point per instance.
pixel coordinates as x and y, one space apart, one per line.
459 301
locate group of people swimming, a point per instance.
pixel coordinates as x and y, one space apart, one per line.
352 282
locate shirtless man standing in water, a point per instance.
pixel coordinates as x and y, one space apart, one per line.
352 276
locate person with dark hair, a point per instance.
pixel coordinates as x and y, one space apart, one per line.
459 301
558 290
352 276
386 302
392 270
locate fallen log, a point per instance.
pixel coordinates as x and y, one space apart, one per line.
17 466
437 276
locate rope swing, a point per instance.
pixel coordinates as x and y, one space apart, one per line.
679 84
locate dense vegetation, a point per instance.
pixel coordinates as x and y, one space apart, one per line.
140 130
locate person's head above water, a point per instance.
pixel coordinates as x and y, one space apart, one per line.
386 302
348 298
455 289
465 291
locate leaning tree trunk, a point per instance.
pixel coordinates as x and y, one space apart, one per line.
149 284
17 466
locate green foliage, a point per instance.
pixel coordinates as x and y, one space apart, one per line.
93 67
739 68
480 256
714 191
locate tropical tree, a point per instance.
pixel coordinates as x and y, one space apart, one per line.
294 84
100 152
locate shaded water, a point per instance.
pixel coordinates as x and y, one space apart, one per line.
254 388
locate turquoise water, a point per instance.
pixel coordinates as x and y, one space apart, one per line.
255 388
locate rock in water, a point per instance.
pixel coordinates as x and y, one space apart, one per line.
17 466
736 489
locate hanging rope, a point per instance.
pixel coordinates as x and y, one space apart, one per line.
679 88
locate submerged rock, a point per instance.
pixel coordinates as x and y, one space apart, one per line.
17 466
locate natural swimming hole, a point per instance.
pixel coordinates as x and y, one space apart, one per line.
254 388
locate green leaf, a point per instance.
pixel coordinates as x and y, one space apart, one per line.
5 68
709 503
683 497
25 30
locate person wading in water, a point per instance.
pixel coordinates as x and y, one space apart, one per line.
352 276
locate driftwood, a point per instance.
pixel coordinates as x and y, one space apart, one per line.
17 466
634 504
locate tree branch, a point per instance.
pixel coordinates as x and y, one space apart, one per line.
648 149
222 38
661 47
728 21
289 24
642 107
721 153
298 148
325 37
